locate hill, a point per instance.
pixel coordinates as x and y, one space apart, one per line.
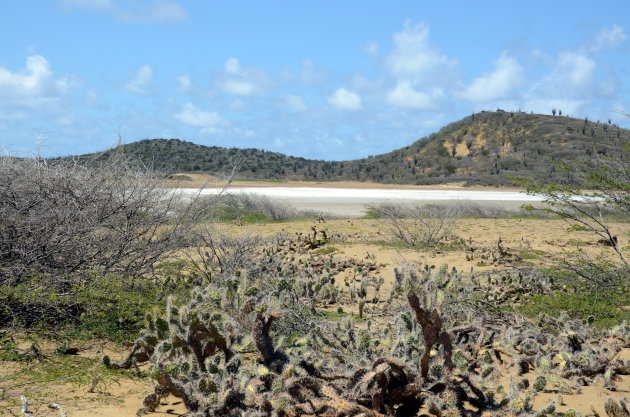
486 148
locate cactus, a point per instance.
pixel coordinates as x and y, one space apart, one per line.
517 405
570 413
434 355
540 383
616 409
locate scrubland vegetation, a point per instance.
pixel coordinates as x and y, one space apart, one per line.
237 323
485 148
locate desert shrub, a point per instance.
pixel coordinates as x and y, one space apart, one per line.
219 253
483 211
111 306
248 208
263 205
64 226
603 195
418 225
581 304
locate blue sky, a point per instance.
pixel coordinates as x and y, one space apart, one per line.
326 79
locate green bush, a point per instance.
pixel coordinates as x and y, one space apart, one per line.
109 306
603 311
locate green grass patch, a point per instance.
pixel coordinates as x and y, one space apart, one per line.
8 350
40 380
226 215
530 254
112 307
578 228
605 309
371 213
577 242
525 215
337 314
326 250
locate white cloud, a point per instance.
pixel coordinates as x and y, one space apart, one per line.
232 66
343 99
609 38
609 86
238 87
294 103
498 84
310 74
65 120
156 11
193 116
413 58
242 81
371 49
141 81
572 77
36 79
211 131
162 11
184 82
91 98
237 104
405 96
33 87
576 84
575 68
13 115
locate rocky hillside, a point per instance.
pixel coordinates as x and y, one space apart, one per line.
486 148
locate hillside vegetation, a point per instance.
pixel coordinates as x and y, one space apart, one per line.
487 148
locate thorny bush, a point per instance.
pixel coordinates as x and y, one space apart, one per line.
63 225
418 225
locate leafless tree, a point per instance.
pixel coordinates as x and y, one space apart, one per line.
603 194
417 225
65 219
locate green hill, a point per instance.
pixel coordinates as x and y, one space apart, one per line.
486 148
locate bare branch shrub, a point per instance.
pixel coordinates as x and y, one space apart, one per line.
602 197
63 223
419 225
244 206
221 253
65 218
264 205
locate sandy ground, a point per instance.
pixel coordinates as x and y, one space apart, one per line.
533 240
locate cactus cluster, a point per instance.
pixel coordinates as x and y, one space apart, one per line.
254 341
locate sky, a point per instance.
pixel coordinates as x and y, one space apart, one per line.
322 79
